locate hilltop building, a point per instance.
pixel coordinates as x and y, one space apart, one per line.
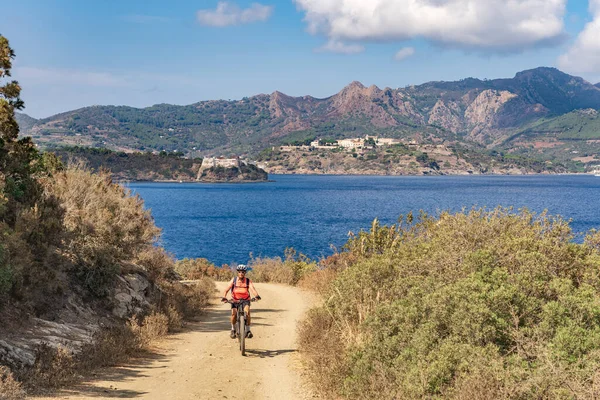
209 162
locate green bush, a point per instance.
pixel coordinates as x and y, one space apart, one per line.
479 304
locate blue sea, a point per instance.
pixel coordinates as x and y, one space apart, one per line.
226 223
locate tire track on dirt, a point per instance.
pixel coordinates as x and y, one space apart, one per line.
204 363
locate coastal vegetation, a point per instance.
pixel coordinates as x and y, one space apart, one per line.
75 249
472 305
199 268
136 166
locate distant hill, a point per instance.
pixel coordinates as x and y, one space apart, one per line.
499 113
25 121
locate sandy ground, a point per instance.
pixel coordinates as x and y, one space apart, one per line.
204 363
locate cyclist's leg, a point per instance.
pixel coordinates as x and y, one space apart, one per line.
233 315
247 310
233 321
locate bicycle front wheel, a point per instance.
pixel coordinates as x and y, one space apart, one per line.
242 333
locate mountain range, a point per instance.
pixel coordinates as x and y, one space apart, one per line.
540 110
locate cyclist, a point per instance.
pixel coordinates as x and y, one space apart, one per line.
240 287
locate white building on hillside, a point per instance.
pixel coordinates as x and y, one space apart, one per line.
387 142
351 143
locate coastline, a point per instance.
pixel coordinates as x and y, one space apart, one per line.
359 175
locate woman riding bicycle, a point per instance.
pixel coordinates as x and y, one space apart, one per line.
240 287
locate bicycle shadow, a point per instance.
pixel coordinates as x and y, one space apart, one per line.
263 353
217 319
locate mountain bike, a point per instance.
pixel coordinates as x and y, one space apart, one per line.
242 321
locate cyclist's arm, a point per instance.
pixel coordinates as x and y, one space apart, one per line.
228 288
253 290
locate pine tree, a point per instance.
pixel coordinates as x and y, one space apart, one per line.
19 160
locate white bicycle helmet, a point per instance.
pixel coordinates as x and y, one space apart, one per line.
242 267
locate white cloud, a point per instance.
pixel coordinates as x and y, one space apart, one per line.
584 54
505 25
403 53
227 14
336 46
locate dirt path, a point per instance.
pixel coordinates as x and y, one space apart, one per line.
204 363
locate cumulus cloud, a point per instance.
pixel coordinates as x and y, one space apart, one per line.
584 54
486 25
403 53
227 14
336 46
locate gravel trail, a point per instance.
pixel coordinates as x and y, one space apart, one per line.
204 363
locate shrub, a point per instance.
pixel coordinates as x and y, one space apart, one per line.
270 270
200 267
110 346
322 350
153 326
479 304
157 262
274 270
188 299
175 318
52 368
105 224
10 388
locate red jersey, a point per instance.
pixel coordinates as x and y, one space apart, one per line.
241 289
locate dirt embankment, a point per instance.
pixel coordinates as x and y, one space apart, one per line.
204 363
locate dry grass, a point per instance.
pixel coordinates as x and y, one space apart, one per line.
53 368
110 346
318 281
174 318
199 268
153 326
271 270
323 352
275 270
104 223
189 299
10 388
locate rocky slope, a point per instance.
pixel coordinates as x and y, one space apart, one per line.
76 323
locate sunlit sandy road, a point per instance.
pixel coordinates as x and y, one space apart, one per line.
204 363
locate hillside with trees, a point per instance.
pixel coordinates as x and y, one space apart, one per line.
135 166
500 114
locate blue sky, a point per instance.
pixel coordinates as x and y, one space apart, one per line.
72 54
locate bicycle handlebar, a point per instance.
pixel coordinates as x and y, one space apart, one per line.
237 301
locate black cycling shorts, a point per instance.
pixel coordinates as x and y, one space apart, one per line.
234 305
